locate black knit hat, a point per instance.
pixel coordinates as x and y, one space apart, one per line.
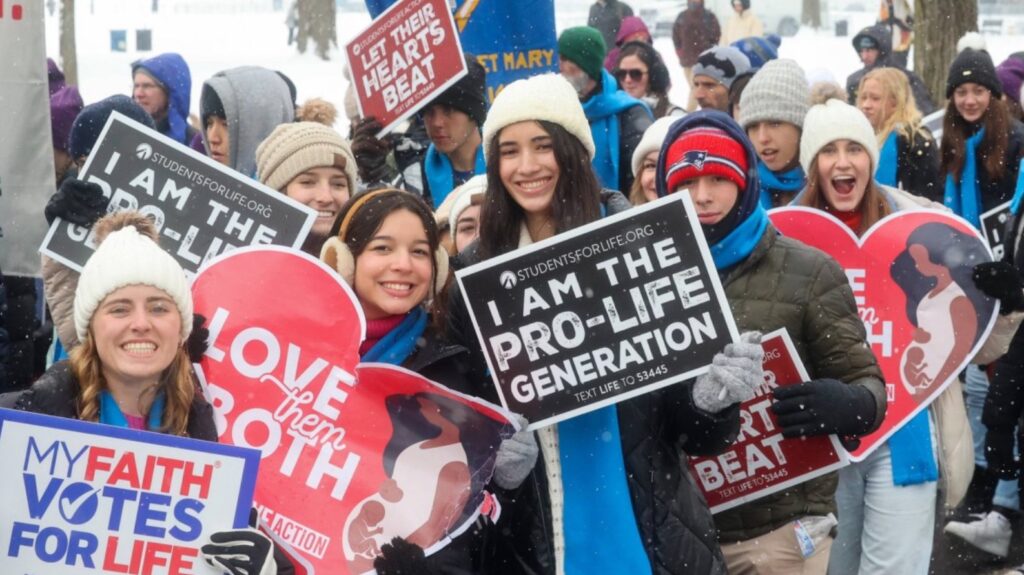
469 94
973 66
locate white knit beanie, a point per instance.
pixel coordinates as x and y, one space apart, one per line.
293 148
831 121
777 92
475 186
548 97
653 137
126 258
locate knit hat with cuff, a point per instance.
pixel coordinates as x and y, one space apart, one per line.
291 149
548 97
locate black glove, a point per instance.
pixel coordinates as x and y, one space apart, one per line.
823 407
241 552
1001 281
401 558
77 201
197 340
999 453
371 154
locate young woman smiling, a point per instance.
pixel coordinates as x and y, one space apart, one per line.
132 369
312 164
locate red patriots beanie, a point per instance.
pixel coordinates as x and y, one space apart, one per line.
705 151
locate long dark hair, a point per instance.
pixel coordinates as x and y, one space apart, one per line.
577 199
480 436
371 215
991 151
958 252
658 81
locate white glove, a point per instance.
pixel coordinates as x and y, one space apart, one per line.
516 457
735 375
241 552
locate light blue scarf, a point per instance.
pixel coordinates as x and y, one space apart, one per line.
911 451
792 180
602 111
399 343
888 161
736 246
111 414
963 197
597 500
441 176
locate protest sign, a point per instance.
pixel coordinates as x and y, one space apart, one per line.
83 498
407 56
353 454
200 207
911 275
761 462
26 151
993 226
593 316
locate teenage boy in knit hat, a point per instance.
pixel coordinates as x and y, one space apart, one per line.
774 282
162 85
617 120
772 111
713 75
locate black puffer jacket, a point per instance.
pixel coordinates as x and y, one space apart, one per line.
672 518
917 166
5 342
22 323
882 36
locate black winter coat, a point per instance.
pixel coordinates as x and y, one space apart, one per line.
881 34
21 322
5 342
995 192
917 166
672 517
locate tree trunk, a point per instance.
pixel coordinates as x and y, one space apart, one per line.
68 55
938 24
811 14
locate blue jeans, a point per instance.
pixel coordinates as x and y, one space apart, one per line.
975 390
883 527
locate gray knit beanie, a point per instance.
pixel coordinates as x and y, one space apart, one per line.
721 63
778 92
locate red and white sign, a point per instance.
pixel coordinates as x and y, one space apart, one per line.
911 275
761 461
404 59
352 455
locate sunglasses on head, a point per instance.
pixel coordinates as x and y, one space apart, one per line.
634 74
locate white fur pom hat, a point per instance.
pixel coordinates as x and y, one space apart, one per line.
548 97
125 258
654 136
831 121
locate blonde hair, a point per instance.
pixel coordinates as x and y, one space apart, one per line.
904 118
175 383
873 206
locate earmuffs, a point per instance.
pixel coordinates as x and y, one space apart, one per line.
338 256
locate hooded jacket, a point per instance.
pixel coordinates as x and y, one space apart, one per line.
882 36
173 75
255 101
784 283
630 25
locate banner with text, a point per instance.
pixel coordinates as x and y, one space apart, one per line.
611 310
84 498
912 280
408 55
353 454
201 207
761 462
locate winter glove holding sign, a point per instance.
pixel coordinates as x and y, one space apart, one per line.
370 153
824 407
735 375
1001 281
78 202
516 457
241 552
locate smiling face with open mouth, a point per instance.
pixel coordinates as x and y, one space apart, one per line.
529 169
324 189
844 170
394 272
137 332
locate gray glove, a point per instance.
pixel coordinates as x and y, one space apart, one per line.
735 375
516 457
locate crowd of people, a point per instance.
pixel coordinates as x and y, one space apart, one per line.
466 180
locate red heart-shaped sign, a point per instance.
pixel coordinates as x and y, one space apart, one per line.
911 278
352 455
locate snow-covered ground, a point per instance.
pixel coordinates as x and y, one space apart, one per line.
215 35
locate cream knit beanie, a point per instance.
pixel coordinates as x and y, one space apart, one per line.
475 186
548 97
778 92
126 258
654 136
296 147
831 121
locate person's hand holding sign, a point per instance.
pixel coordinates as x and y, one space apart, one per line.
735 375
824 407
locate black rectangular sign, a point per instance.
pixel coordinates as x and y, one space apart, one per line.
993 227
